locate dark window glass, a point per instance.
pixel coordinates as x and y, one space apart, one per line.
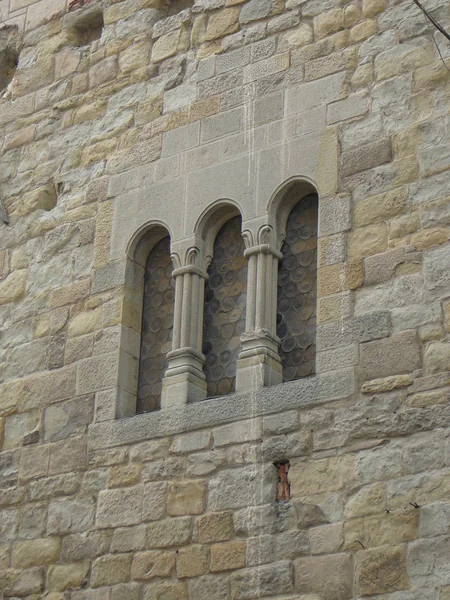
297 291
225 299
157 325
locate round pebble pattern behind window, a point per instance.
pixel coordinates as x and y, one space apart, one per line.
297 291
225 299
157 325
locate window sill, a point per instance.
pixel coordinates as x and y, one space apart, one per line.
302 393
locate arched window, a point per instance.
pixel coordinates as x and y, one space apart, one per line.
224 316
297 291
157 325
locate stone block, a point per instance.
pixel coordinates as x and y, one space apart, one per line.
334 215
191 442
221 23
222 125
240 487
355 105
371 326
292 544
326 539
169 591
328 576
367 241
192 562
209 587
148 565
255 10
314 93
111 569
62 485
318 476
126 591
68 418
186 498
228 556
366 157
264 580
155 500
435 519
214 527
169 532
97 373
266 67
381 267
34 461
68 455
380 570
68 576
279 424
286 446
379 530
397 354
69 516
437 357
237 433
180 139
128 539
120 507
435 268
26 583
380 207
81 546
12 288
124 475
31 553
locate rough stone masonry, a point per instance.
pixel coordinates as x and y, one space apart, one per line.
116 114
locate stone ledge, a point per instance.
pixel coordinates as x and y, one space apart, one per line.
296 394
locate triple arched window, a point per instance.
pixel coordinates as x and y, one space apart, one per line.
226 296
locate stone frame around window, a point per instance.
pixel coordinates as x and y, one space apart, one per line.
259 364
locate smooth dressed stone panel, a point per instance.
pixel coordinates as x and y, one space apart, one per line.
297 291
225 300
157 325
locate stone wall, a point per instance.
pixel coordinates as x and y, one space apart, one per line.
155 122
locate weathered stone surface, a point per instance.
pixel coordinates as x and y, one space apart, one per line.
267 580
215 527
120 507
330 577
380 570
186 498
69 516
390 356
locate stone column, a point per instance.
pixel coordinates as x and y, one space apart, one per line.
184 380
259 363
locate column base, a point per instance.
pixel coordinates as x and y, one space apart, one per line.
184 380
259 364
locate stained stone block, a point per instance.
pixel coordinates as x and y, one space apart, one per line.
380 570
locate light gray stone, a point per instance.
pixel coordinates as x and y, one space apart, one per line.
314 93
180 139
361 328
67 418
241 487
154 502
334 215
222 124
254 10
70 516
237 433
427 562
265 580
209 587
435 519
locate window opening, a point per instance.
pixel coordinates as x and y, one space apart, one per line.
225 300
297 291
157 326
